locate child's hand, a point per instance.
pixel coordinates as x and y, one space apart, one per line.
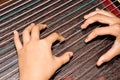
113 29
35 58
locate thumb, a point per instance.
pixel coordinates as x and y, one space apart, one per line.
63 59
114 51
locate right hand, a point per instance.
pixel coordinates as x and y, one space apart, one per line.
113 29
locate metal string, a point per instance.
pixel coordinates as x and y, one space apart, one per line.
100 71
2 14
103 68
70 44
50 24
66 71
12 32
75 67
3 51
5 2
5 17
8 65
107 70
8 21
70 21
118 67
12 72
12 45
10 5
66 15
43 16
94 65
113 9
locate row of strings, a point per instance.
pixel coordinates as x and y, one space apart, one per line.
15 61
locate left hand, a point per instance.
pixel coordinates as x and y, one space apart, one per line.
35 58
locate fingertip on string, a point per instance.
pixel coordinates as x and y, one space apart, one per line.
97 9
86 41
82 26
15 32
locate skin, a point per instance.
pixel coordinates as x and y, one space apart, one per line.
35 58
113 29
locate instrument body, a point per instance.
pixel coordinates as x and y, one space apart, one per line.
64 17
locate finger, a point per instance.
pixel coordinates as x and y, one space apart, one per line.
113 30
63 59
36 31
53 37
17 41
26 33
97 18
99 32
98 11
114 51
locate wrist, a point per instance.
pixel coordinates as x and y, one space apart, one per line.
32 76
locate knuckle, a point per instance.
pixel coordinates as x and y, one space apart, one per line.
68 58
95 31
89 20
55 34
107 58
117 26
65 60
26 30
98 14
35 28
117 29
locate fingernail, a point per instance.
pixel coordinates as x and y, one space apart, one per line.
99 62
85 16
82 26
97 9
32 24
62 38
71 54
44 26
86 40
14 31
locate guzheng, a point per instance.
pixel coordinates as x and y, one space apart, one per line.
64 17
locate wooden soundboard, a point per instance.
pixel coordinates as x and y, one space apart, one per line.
64 17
